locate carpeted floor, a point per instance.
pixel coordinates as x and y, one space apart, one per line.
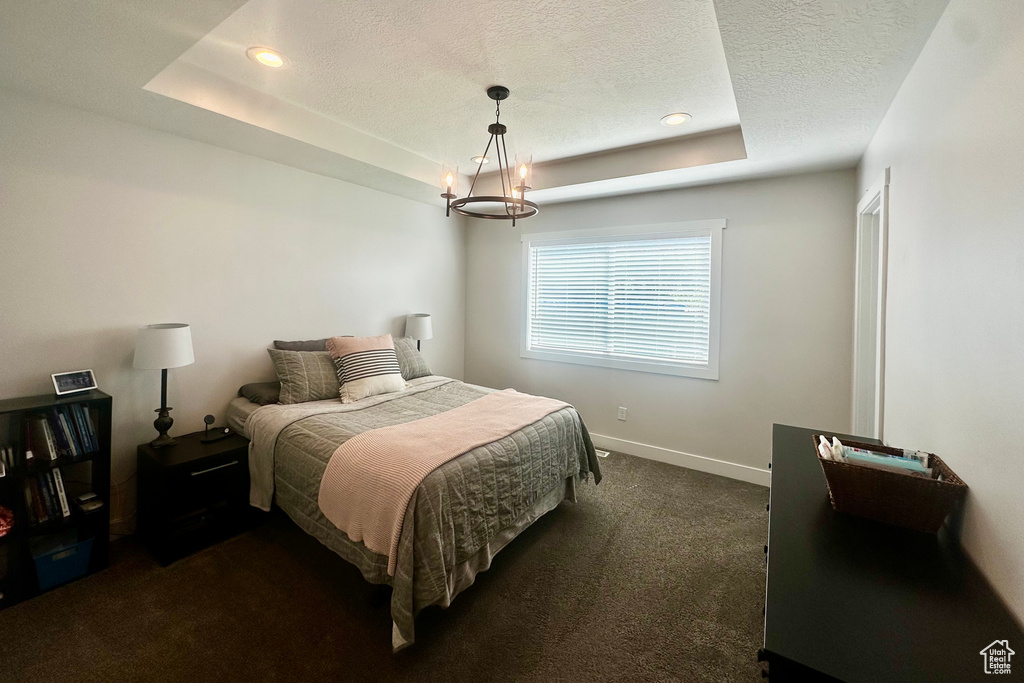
655 575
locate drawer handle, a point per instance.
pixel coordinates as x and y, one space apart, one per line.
218 467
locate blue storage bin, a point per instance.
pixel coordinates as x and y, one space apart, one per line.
62 564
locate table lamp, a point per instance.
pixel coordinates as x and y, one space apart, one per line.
159 347
417 326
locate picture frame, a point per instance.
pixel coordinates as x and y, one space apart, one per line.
73 382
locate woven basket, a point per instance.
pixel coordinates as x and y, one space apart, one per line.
912 502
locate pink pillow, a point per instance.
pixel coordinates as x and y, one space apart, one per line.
367 366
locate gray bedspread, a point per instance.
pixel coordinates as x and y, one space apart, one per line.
461 513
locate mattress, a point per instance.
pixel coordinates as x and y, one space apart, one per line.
238 413
461 514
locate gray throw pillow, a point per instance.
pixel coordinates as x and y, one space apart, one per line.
305 375
410 361
261 393
309 345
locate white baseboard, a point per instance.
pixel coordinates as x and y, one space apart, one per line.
688 460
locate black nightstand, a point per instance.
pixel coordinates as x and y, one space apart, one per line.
192 494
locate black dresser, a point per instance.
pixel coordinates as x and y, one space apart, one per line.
192 494
853 600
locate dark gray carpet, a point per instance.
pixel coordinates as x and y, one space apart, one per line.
655 575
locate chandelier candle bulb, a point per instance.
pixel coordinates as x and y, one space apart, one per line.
523 171
449 185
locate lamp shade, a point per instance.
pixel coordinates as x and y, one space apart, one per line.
167 345
417 326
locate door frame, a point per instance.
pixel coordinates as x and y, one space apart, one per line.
875 200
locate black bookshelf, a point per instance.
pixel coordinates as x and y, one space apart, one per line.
18 576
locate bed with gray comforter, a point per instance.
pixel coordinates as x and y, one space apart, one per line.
460 515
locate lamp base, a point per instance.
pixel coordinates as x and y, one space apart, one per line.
163 424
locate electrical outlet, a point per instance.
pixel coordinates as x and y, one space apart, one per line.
622 414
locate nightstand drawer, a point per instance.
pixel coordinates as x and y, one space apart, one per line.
217 514
205 483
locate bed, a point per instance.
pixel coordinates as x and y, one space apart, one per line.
459 516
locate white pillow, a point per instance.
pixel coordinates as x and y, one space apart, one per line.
367 366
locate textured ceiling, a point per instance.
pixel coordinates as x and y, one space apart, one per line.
811 80
98 53
585 76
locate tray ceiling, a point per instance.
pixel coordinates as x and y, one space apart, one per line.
584 76
379 93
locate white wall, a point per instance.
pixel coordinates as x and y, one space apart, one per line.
105 227
954 379
786 331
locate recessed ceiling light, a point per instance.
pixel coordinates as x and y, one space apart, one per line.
676 119
266 57
480 160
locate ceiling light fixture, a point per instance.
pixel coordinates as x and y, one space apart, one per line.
676 119
515 179
266 57
480 160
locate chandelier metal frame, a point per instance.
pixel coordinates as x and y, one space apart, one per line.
515 207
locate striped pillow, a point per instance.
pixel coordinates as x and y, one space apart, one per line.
366 366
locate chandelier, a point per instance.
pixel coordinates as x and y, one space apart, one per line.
515 178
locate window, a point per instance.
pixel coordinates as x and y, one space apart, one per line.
643 298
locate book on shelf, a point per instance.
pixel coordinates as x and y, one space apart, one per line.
43 440
81 412
51 441
62 496
6 451
64 431
46 498
39 438
34 501
7 456
76 431
29 509
6 460
47 488
91 426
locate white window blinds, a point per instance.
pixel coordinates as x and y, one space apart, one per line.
638 302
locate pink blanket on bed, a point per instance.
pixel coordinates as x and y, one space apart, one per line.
370 479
